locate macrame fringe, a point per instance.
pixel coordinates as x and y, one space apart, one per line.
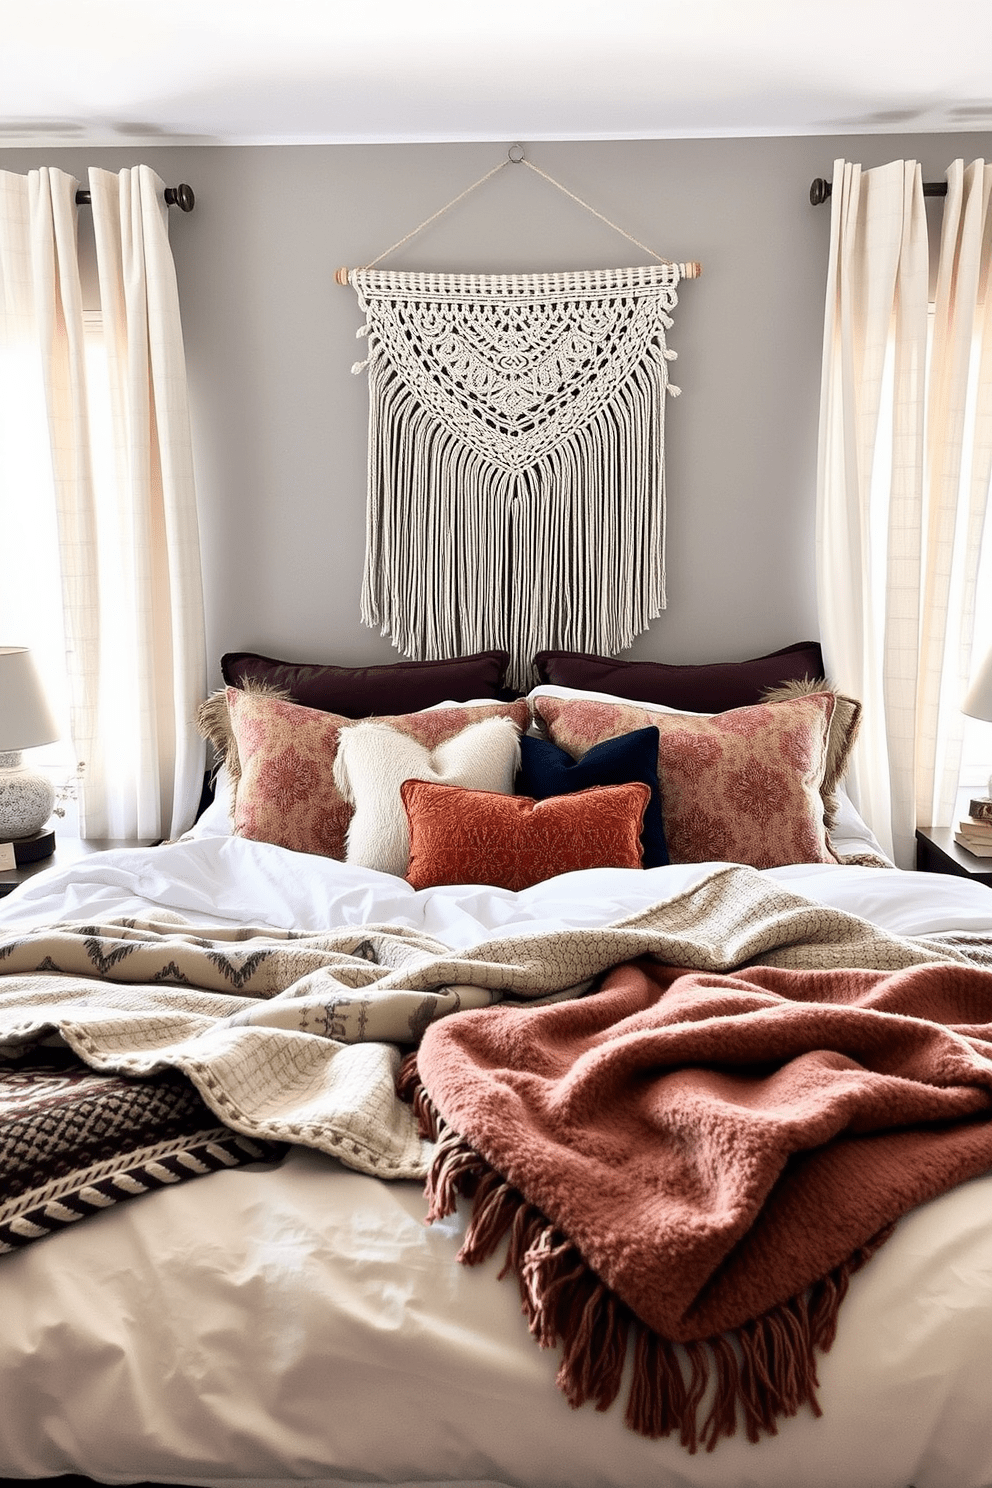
464 556
700 1390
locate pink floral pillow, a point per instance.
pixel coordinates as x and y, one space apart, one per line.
286 792
737 787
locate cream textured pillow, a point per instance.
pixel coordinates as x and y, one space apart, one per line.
373 760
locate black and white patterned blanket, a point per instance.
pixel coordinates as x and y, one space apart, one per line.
74 1142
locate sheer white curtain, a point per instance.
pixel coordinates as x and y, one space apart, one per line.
904 458
120 481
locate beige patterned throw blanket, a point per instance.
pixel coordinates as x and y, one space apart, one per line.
296 1037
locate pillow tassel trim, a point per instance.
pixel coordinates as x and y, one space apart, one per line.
213 723
759 1372
842 733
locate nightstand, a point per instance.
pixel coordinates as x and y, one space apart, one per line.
937 852
67 850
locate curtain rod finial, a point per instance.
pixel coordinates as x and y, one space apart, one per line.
180 196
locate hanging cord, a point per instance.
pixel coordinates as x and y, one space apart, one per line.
571 194
440 212
687 270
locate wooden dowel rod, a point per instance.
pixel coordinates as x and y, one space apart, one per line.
691 270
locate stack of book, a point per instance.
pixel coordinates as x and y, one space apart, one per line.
975 832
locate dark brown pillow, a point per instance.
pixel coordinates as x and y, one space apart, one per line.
363 692
713 687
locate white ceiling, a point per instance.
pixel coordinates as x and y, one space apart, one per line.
112 72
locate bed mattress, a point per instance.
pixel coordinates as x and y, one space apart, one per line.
274 1324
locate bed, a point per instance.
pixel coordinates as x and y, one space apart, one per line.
288 1316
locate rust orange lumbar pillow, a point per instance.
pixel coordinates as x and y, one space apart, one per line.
470 836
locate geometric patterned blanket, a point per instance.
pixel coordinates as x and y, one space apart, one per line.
293 1037
73 1142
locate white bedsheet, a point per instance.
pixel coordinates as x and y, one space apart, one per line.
271 1325
232 881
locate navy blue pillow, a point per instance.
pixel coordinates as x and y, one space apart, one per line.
546 770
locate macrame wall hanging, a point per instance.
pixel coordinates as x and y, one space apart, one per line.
516 470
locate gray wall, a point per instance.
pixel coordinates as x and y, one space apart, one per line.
279 421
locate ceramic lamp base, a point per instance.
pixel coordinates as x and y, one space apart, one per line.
32 849
26 798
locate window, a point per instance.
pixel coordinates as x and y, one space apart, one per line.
976 755
31 591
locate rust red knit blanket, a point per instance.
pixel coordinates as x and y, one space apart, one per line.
697 1163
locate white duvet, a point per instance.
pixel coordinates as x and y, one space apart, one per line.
265 1326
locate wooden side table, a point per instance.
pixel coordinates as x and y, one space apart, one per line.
67 850
937 852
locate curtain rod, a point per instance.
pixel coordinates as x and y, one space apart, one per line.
820 190
180 196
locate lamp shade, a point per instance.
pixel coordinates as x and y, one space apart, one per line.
25 718
978 699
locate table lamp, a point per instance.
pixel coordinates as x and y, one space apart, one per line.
978 699
26 795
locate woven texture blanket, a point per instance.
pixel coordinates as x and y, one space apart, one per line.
291 1037
703 1160
73 1142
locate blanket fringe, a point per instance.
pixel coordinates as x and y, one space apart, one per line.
756 1373
410 1089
